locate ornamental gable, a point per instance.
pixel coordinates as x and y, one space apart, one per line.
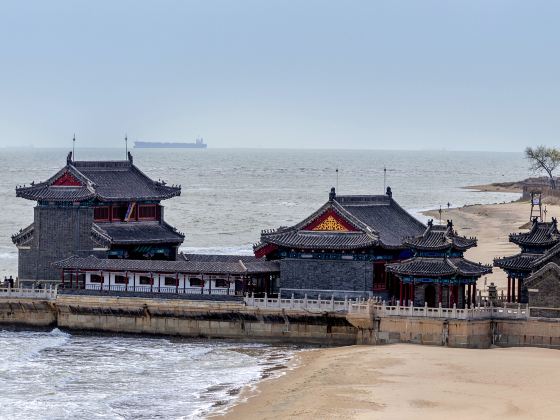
66 180
330 221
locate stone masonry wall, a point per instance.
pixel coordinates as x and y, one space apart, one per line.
60 232
326 275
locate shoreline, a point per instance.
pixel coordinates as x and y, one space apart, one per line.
371 382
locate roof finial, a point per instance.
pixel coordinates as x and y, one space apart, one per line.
126 146
450 224
389 192
430 222
332 194
74 147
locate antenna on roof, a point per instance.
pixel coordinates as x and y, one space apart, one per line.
384 178
337 179
74 147
125 146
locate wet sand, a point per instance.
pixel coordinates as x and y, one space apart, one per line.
411 381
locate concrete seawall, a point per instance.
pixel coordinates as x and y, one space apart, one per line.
27 312
234 320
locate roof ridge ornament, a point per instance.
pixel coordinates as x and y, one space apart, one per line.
389 192
332 194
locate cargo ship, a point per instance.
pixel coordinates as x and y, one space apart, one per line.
198 144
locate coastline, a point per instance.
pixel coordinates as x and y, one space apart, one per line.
370 382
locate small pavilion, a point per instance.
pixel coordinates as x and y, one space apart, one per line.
438 274
535 252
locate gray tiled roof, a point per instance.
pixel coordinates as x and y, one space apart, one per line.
377 219
219 257
440 237
541 234
104 180
123 233
438 267
181 266
522 262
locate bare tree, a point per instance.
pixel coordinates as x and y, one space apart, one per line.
542 158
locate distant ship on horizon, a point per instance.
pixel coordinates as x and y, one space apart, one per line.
198 144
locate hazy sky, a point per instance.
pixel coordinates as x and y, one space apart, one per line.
462 75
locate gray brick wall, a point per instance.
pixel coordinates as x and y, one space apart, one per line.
326 275
60 232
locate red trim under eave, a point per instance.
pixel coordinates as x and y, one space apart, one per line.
336 216
67 180
265 250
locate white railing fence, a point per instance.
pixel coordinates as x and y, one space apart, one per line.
376 307
48 293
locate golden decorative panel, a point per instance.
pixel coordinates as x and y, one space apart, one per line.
331 224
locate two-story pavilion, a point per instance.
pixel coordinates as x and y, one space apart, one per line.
438 273
110 209
535 246
343 246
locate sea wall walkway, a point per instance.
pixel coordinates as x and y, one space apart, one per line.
311 321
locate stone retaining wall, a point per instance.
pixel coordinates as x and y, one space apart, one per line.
234 320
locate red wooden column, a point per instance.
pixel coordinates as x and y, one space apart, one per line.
509 289
151 282
519 289
513 289
451 295
474 293
177 283
411 297
440 293
400 292
469 294
126 284
102 280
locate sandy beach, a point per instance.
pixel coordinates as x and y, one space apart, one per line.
410 381
404 381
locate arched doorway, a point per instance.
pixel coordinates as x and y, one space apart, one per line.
430 295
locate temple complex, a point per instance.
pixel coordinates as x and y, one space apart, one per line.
110 209
536 246
438 274
343 246
99 225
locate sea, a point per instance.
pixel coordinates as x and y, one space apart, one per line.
228 196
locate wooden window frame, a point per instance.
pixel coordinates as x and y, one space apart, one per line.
108 208
142 206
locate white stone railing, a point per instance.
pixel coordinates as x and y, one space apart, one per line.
49 293
378 308
474 312
358 305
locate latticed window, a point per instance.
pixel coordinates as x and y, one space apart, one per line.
145 280
147 211
170 281
196 282
101 214
121 279
221 283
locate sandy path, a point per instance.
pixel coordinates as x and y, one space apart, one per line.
409 381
